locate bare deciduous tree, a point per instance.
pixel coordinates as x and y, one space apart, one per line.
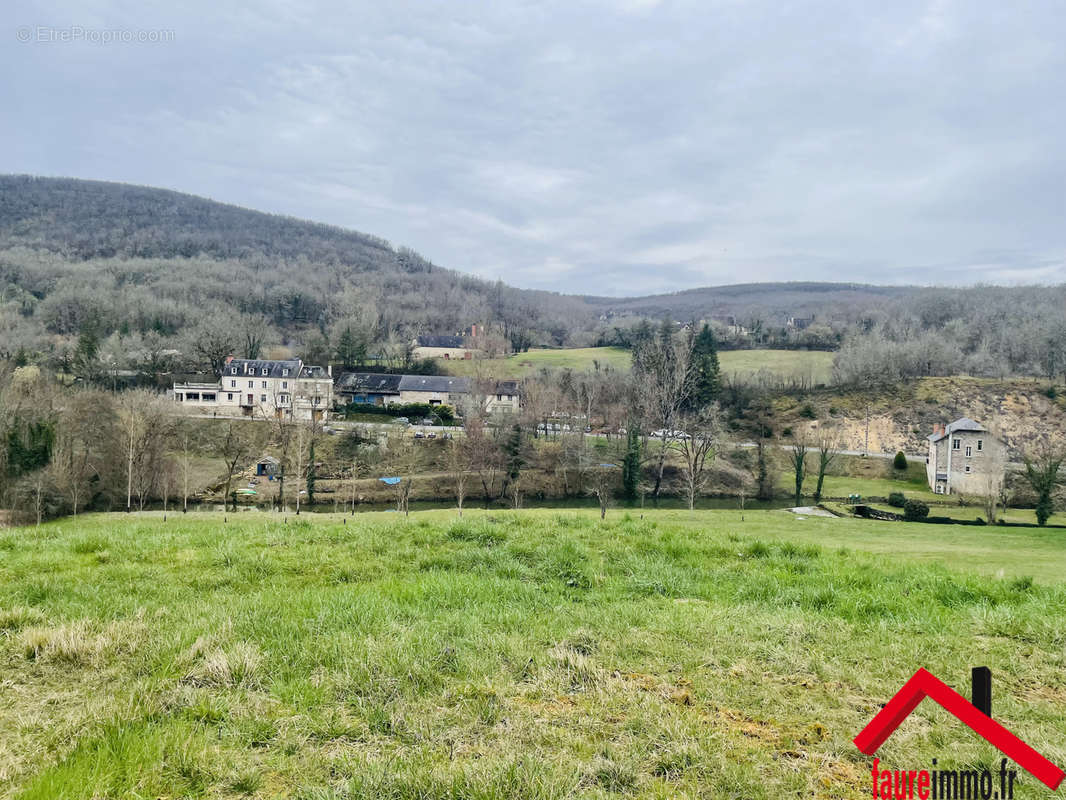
484 454
697 445
83 446
828 446
664 379
144 421
458 465
233 447
797 456
213 341
601 480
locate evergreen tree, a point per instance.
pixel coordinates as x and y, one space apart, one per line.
631 463
705 367
311 473
513 450
349 349
29 447
87 348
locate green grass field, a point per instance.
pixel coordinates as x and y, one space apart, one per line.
815 365
734 363
531 362
532 654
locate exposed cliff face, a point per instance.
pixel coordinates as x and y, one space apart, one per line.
1018 411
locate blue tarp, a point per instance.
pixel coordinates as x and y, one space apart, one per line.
390 481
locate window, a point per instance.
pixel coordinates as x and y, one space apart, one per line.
229 395
262 398
969 451
285 384
232 370
179 397
956 444
192 396
233 384
251 384
265 370
209 397
980 445
939 488
264 384
283 399
967 469
499 397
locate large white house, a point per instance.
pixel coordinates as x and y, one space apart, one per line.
268 389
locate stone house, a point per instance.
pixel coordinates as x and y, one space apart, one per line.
268 389
447 347
964 458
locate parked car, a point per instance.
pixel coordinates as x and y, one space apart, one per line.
401 421
427 421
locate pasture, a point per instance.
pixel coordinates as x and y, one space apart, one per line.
815 366
531 654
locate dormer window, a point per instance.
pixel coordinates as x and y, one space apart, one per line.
265 370
232 370
285 372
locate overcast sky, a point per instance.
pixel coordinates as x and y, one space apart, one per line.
615 147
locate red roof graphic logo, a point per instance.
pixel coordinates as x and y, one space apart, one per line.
925 684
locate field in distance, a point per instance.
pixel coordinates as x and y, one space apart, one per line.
534 654
814 365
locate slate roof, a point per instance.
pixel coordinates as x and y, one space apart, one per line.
374 382
962 424
434 383
441 341
246 367
507 387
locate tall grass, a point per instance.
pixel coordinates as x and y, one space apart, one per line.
518 655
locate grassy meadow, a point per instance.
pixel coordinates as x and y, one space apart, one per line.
531 654
734 363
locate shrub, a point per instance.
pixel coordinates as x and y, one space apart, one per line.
914 510
900 461
1052 392
413 411
897 500
808 411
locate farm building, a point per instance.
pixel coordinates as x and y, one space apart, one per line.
372 388
447 347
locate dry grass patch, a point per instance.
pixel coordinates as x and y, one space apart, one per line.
239 666
19 617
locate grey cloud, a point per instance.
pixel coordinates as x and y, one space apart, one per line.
608 147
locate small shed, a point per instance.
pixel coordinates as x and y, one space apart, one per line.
267 465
